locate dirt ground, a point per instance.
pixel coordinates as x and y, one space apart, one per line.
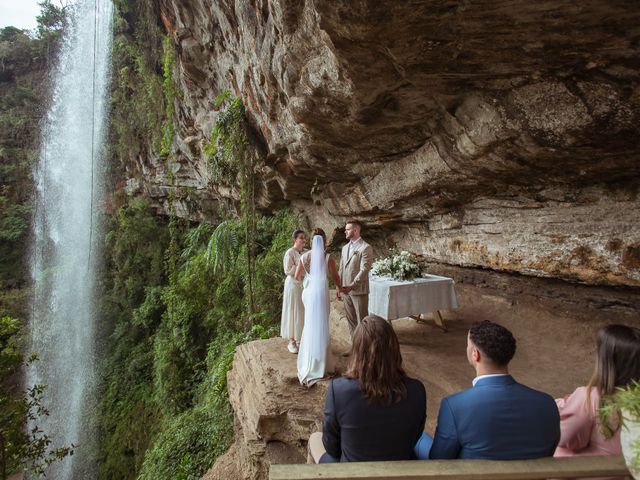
555 332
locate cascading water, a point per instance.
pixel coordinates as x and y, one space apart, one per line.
67 236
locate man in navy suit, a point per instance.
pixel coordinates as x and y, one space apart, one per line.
497 419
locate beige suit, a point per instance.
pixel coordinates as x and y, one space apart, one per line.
354 272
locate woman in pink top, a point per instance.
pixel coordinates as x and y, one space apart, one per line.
617 364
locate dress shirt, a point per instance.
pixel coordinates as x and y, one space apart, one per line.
480 377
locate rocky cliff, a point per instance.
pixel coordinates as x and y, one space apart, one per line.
496 134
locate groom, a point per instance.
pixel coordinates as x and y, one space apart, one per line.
355 264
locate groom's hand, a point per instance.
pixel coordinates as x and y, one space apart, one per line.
346 289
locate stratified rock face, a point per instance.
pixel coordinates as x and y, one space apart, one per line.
499 134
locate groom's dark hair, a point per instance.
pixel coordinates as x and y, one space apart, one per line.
355 222
376 362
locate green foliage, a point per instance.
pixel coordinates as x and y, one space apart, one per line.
14 222
169 90
52 21
621 407
169 355
135 249
227 147
137 99
626 400
222 250
231 161
191 441
29 449
132 308
24 85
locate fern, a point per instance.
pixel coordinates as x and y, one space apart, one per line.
223 248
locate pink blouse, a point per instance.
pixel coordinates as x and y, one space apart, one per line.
580 427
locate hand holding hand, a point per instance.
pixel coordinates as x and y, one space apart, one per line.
346 289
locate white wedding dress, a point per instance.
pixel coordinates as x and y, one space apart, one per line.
314 354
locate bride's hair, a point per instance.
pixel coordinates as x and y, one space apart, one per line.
376 362
319 231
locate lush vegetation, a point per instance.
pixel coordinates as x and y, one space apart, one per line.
176 322
176 299
24 62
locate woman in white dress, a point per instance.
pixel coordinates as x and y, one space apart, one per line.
314 355
292 318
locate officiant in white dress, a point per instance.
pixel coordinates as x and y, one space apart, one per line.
314 354
292 319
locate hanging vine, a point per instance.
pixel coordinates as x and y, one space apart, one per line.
232 162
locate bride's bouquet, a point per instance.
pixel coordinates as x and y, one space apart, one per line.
399 266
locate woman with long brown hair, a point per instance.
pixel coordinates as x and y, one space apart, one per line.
617 365
374 412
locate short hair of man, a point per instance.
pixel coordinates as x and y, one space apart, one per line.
376 362
357 223
493 340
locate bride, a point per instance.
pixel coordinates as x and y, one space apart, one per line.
314 354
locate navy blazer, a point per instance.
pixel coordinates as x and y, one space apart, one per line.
498 419
355 431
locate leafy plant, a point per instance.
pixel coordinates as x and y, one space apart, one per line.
29 449
231 161
622 406
169 89
223 247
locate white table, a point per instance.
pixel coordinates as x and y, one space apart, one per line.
392 299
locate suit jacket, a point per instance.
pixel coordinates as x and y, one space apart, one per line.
355 431
498 419
354 270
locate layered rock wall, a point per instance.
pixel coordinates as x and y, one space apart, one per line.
496 134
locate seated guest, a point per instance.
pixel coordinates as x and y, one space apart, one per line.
375 412
617 365
497 419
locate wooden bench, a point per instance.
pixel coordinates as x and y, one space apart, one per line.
542 468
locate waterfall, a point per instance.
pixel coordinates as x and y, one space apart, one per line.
67 236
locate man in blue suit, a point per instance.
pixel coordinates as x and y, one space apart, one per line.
497 419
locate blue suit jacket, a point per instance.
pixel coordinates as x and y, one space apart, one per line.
498 419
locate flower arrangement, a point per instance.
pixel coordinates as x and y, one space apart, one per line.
399 266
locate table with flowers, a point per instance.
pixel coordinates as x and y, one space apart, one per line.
392 299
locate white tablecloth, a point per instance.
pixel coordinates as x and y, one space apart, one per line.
393 299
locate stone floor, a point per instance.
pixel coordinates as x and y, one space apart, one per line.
554 325
555 339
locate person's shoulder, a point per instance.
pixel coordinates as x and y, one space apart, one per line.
345 385
462 397
415 387
413 383
537 395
